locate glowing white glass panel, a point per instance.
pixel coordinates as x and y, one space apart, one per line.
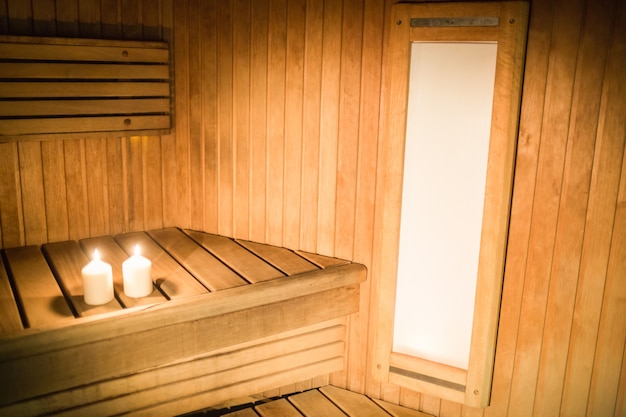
448 124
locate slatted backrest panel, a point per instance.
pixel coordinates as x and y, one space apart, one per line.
58 87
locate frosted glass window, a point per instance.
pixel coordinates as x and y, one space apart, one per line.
447 140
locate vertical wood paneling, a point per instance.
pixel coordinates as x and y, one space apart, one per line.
276 140
194 103
329 120
258 118
97 195
32 192
11 218
55 190
208 38
241 114
276 74
294 82
224 100
546 206
573 207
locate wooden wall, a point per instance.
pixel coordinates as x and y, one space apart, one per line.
276 140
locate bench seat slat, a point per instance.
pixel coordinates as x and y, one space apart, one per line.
204 266
174 280
113 254
321 260
39 293
11 320
68 259
244 262
282 258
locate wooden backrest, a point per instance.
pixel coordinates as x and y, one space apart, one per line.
61 87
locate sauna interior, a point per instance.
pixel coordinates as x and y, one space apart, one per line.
276 139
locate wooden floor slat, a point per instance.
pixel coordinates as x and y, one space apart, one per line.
314 404
328 401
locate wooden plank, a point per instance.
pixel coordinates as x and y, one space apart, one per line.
400 411
569 238
312 91
76 186
258 119
81 107
32 192
281 258
134 183
39 294
97 196
152 178
277 408
54 126
9 312
205 267
196 129
246 264
352 403
26 89
55 193
313 404
321 260
83 50
610 346
74 71
113 254
67 259
12 218
173 280
329 119
276 117
242 129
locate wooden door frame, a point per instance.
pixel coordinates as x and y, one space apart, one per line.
471 386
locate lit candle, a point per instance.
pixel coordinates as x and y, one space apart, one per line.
137 275
97 281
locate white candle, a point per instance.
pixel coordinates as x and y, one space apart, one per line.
97 281
137 275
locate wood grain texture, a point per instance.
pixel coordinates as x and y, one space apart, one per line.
570 161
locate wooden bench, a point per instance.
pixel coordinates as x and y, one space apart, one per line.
226 318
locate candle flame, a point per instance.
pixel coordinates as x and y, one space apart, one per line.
137 250
96 255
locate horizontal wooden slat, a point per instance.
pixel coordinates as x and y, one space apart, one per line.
281 258
170 276
83 89
204 266
83 124
81 107
75 71
248 265
50 52
39 293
